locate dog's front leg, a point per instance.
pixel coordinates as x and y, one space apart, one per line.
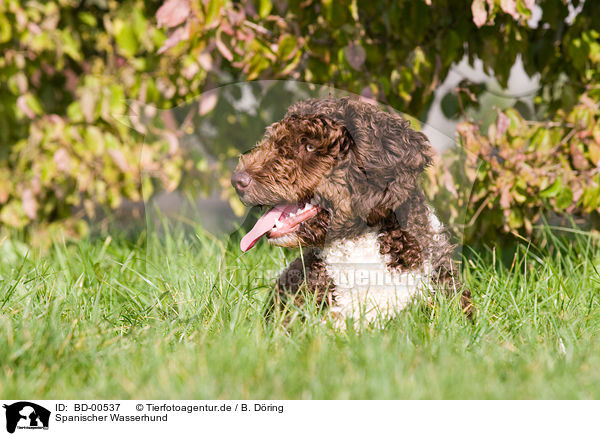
305 276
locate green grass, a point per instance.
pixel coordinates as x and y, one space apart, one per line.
181 317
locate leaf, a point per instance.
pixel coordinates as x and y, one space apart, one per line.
88 104
126 40
529 4
117 100
70 45
74 112
264 8
564 199
552 190
449 105
207 103
29 105
172 13
542 140
515 219
24 107
479 12
515 121
88 19
5 29
510 7
502 124
355 55
579 160
180 34
337 13
29 203
119 159
286 47
62 160
367 95
594 152
173 142
505 197
223 48
12 215
5 188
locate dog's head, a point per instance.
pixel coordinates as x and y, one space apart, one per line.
328 169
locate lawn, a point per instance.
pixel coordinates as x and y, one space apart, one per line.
181 316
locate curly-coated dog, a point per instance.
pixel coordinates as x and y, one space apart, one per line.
341 177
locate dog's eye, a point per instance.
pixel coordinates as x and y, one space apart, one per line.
310 147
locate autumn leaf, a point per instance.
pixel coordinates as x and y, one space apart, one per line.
510 7
529 4
24 107
62 160
173 142
207 102
119 159
178 35
479 12
29 203
355 55
502 124
223 48
172 13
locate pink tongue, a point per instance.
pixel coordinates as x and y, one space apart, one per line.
262 226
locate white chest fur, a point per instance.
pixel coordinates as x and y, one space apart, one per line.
365 287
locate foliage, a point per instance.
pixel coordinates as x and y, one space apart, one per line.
66 74
524 170
530 169
73 71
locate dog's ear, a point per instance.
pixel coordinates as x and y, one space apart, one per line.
387 160
339 139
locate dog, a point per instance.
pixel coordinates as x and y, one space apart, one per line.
340 178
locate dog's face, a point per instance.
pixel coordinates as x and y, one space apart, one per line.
318 181
285 172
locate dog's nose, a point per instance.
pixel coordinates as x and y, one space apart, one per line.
241 180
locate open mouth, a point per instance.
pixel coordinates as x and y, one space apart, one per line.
278 221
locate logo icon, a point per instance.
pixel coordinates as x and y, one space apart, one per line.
26 415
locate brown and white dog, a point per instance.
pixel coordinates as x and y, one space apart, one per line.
341 178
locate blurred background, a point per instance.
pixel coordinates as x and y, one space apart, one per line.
110 110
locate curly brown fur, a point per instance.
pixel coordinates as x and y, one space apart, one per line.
362 166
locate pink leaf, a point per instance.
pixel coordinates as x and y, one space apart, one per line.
173 142
119 159
180 34
450 184
207 102
502 124
88 102
4 191
205 61
510 7
505 197
236 17
172 13
224 50
62 160
530 4
22 104
29 203
479 12
190 71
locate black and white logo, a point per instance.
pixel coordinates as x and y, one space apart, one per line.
26 415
